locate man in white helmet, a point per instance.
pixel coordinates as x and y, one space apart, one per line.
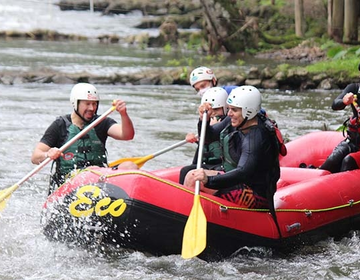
250 152
217 97
203 78
90 149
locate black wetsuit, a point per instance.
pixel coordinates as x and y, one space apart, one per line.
340 160
257 155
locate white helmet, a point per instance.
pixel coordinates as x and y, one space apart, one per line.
202 74
217 97
83 91
248 98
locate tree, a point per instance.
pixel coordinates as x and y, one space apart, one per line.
299 18
337 25
351 21
330 15
227 28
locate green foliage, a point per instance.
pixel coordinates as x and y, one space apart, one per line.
240 62
167 47
278 3
283 67
194 41
333 51
184 74
328 44
340 55
346 66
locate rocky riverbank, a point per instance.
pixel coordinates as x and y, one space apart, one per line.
283 78
267 78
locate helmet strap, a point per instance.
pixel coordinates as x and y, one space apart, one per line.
81 117
242 123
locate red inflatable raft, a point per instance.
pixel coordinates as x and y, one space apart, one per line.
147 211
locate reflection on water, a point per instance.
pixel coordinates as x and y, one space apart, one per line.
162 116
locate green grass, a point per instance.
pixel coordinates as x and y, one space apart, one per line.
346 65
278 3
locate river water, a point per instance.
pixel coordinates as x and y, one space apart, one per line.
162 115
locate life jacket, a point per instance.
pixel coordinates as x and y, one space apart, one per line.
353 124
212 153
229 161
87 151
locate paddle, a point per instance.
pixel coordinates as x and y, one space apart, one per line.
140 161
194 238
6 193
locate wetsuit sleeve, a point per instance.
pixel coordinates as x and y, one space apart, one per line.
251 147
52 135
338 103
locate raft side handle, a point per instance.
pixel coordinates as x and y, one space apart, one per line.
294 226
223 208
308 213
102 178
351 202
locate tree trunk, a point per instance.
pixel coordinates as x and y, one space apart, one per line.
337 25
226 27
351 21
299 18
329 17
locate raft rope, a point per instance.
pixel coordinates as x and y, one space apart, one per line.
222 207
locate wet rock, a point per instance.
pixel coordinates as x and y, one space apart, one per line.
19 80
327 84
169 31
280 76
254 73
253 82
267 73
7 80
319 77
62 79
308 84
270 84
166 80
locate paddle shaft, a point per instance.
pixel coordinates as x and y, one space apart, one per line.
194 238
6 193
140 161
201 149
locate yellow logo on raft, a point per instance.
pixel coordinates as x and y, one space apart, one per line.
101 208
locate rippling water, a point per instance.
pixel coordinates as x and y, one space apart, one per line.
28 15
162 115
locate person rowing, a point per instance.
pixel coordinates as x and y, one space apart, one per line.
88 150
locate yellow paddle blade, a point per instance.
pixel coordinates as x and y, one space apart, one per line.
194 239
121 160
139 161
5 195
